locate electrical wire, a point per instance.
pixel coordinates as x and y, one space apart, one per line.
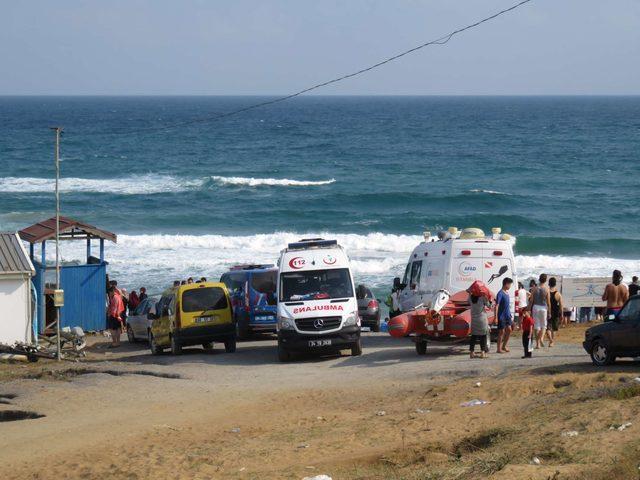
439 41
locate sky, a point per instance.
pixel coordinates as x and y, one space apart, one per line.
273 47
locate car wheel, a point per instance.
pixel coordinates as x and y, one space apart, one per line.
283 354
356 349
600 354
131 337
176 348
153 346
376 326
421 346
208 346
230 345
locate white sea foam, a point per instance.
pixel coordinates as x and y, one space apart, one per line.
142 184
156 260
273 182
488 192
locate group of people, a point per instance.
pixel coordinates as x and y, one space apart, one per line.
539 312
119 303
188 281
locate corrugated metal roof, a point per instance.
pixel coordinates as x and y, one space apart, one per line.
69 229
13 258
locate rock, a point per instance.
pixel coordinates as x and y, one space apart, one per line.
303 445
419 410
235 430
318 477
474 403
570 433
535 461
478 384
381 413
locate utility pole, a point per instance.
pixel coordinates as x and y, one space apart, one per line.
57 301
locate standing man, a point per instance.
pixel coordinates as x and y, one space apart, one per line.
114 318
615 294
634 288
503 314
540 309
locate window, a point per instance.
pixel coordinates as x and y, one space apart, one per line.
202 299
631 312
264 282
405 279
315 285
363 292
416 269
233 281
143 308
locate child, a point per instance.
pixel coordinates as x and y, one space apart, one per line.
527 332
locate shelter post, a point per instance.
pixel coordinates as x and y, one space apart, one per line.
88 248
101 250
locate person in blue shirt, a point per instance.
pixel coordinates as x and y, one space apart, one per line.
503 314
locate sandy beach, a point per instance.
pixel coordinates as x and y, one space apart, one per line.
215 415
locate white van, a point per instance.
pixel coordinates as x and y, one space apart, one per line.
317 306
453 260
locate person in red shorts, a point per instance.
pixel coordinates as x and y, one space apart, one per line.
527 332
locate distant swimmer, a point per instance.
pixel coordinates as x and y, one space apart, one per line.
615 294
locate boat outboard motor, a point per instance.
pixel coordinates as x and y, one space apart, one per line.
439 300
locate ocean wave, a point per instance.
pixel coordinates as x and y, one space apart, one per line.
146 184
272 182
156 260
139 185
488 192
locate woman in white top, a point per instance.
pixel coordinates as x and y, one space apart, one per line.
522 297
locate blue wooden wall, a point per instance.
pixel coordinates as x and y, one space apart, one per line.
84 296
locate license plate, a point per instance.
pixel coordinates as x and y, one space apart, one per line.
365 329
319 343
264 318
206 319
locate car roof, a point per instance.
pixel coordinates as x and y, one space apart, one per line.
251 268
193 286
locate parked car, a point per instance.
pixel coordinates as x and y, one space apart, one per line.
139 322
253 298
619 337
368 308
193 314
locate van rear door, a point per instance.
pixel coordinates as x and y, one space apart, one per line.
203 305
466 266
497 265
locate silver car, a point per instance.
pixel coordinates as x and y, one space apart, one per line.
138 321
368 308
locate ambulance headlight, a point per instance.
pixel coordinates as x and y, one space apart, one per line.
352 319
285 323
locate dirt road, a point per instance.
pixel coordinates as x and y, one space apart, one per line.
244 415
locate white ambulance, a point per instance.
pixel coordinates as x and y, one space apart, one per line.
452 260
317 306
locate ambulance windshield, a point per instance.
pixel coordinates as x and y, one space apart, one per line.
315 285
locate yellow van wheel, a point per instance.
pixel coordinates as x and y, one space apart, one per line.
208 346
155 349
230 345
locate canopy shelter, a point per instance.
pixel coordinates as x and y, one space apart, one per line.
84 285
16 271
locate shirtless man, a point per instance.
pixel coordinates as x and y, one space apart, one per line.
615 294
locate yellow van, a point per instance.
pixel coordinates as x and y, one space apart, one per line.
194 314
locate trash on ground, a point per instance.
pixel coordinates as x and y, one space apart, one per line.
535 461
303 445
318 477
478 384
637 379
620 428
381 413
474 403
235 430
420 410
570 433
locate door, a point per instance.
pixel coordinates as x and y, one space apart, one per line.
625 332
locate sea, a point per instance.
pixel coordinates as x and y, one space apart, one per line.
190 193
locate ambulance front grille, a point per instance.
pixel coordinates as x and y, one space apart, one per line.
318 324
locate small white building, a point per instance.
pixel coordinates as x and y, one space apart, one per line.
16 271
